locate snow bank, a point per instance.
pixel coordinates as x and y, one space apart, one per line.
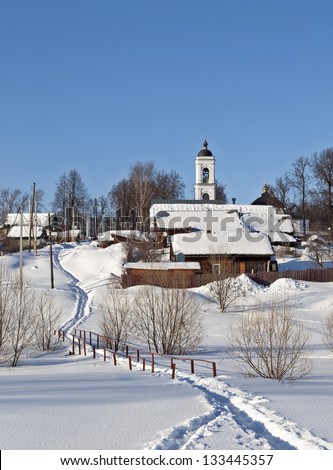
287 284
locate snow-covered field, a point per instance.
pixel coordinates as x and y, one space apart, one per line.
61 401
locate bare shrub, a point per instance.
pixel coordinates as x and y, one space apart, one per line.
47 317
223 288
271 344
328 331
168 320
21 329
6 309
116 317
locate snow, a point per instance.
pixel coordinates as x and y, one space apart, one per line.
224 217
240 242
60 401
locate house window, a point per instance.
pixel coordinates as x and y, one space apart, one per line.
216 268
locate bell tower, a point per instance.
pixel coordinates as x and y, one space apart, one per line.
204 188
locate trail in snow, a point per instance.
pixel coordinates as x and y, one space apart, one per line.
238 420
83 309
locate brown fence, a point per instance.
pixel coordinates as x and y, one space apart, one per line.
309 275
261 277
110 348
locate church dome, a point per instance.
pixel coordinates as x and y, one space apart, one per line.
204 152
267 199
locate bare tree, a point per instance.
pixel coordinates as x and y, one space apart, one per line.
281 191
168 185
47 316
317 251
322 165
220 193
22 321
144 183
328 331
10 202
6 308
70 196
224 289
271 344
168 320
116 318
299 178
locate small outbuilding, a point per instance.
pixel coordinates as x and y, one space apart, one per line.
164 274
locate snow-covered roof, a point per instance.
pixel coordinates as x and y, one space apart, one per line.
223 217
241 242
15 232
42 219
163 266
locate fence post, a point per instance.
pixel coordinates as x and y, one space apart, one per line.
192 366
94 352
97 341
79 344
114 358
143 364
152 362
126 350
73 345
130 362
104 354
173 371
214 369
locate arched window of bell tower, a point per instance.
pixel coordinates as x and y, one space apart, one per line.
205 196
205 175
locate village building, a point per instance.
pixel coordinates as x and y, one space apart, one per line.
213 236
201 229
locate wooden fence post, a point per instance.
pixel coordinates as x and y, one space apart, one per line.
214 369
94 352
192 366
130 362
79 344
114 358
104 354
73 345
143 364
152 362
173 371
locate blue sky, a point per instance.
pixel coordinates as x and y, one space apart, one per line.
99 85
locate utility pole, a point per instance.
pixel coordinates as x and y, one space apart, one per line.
32 203
51 255
21 247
